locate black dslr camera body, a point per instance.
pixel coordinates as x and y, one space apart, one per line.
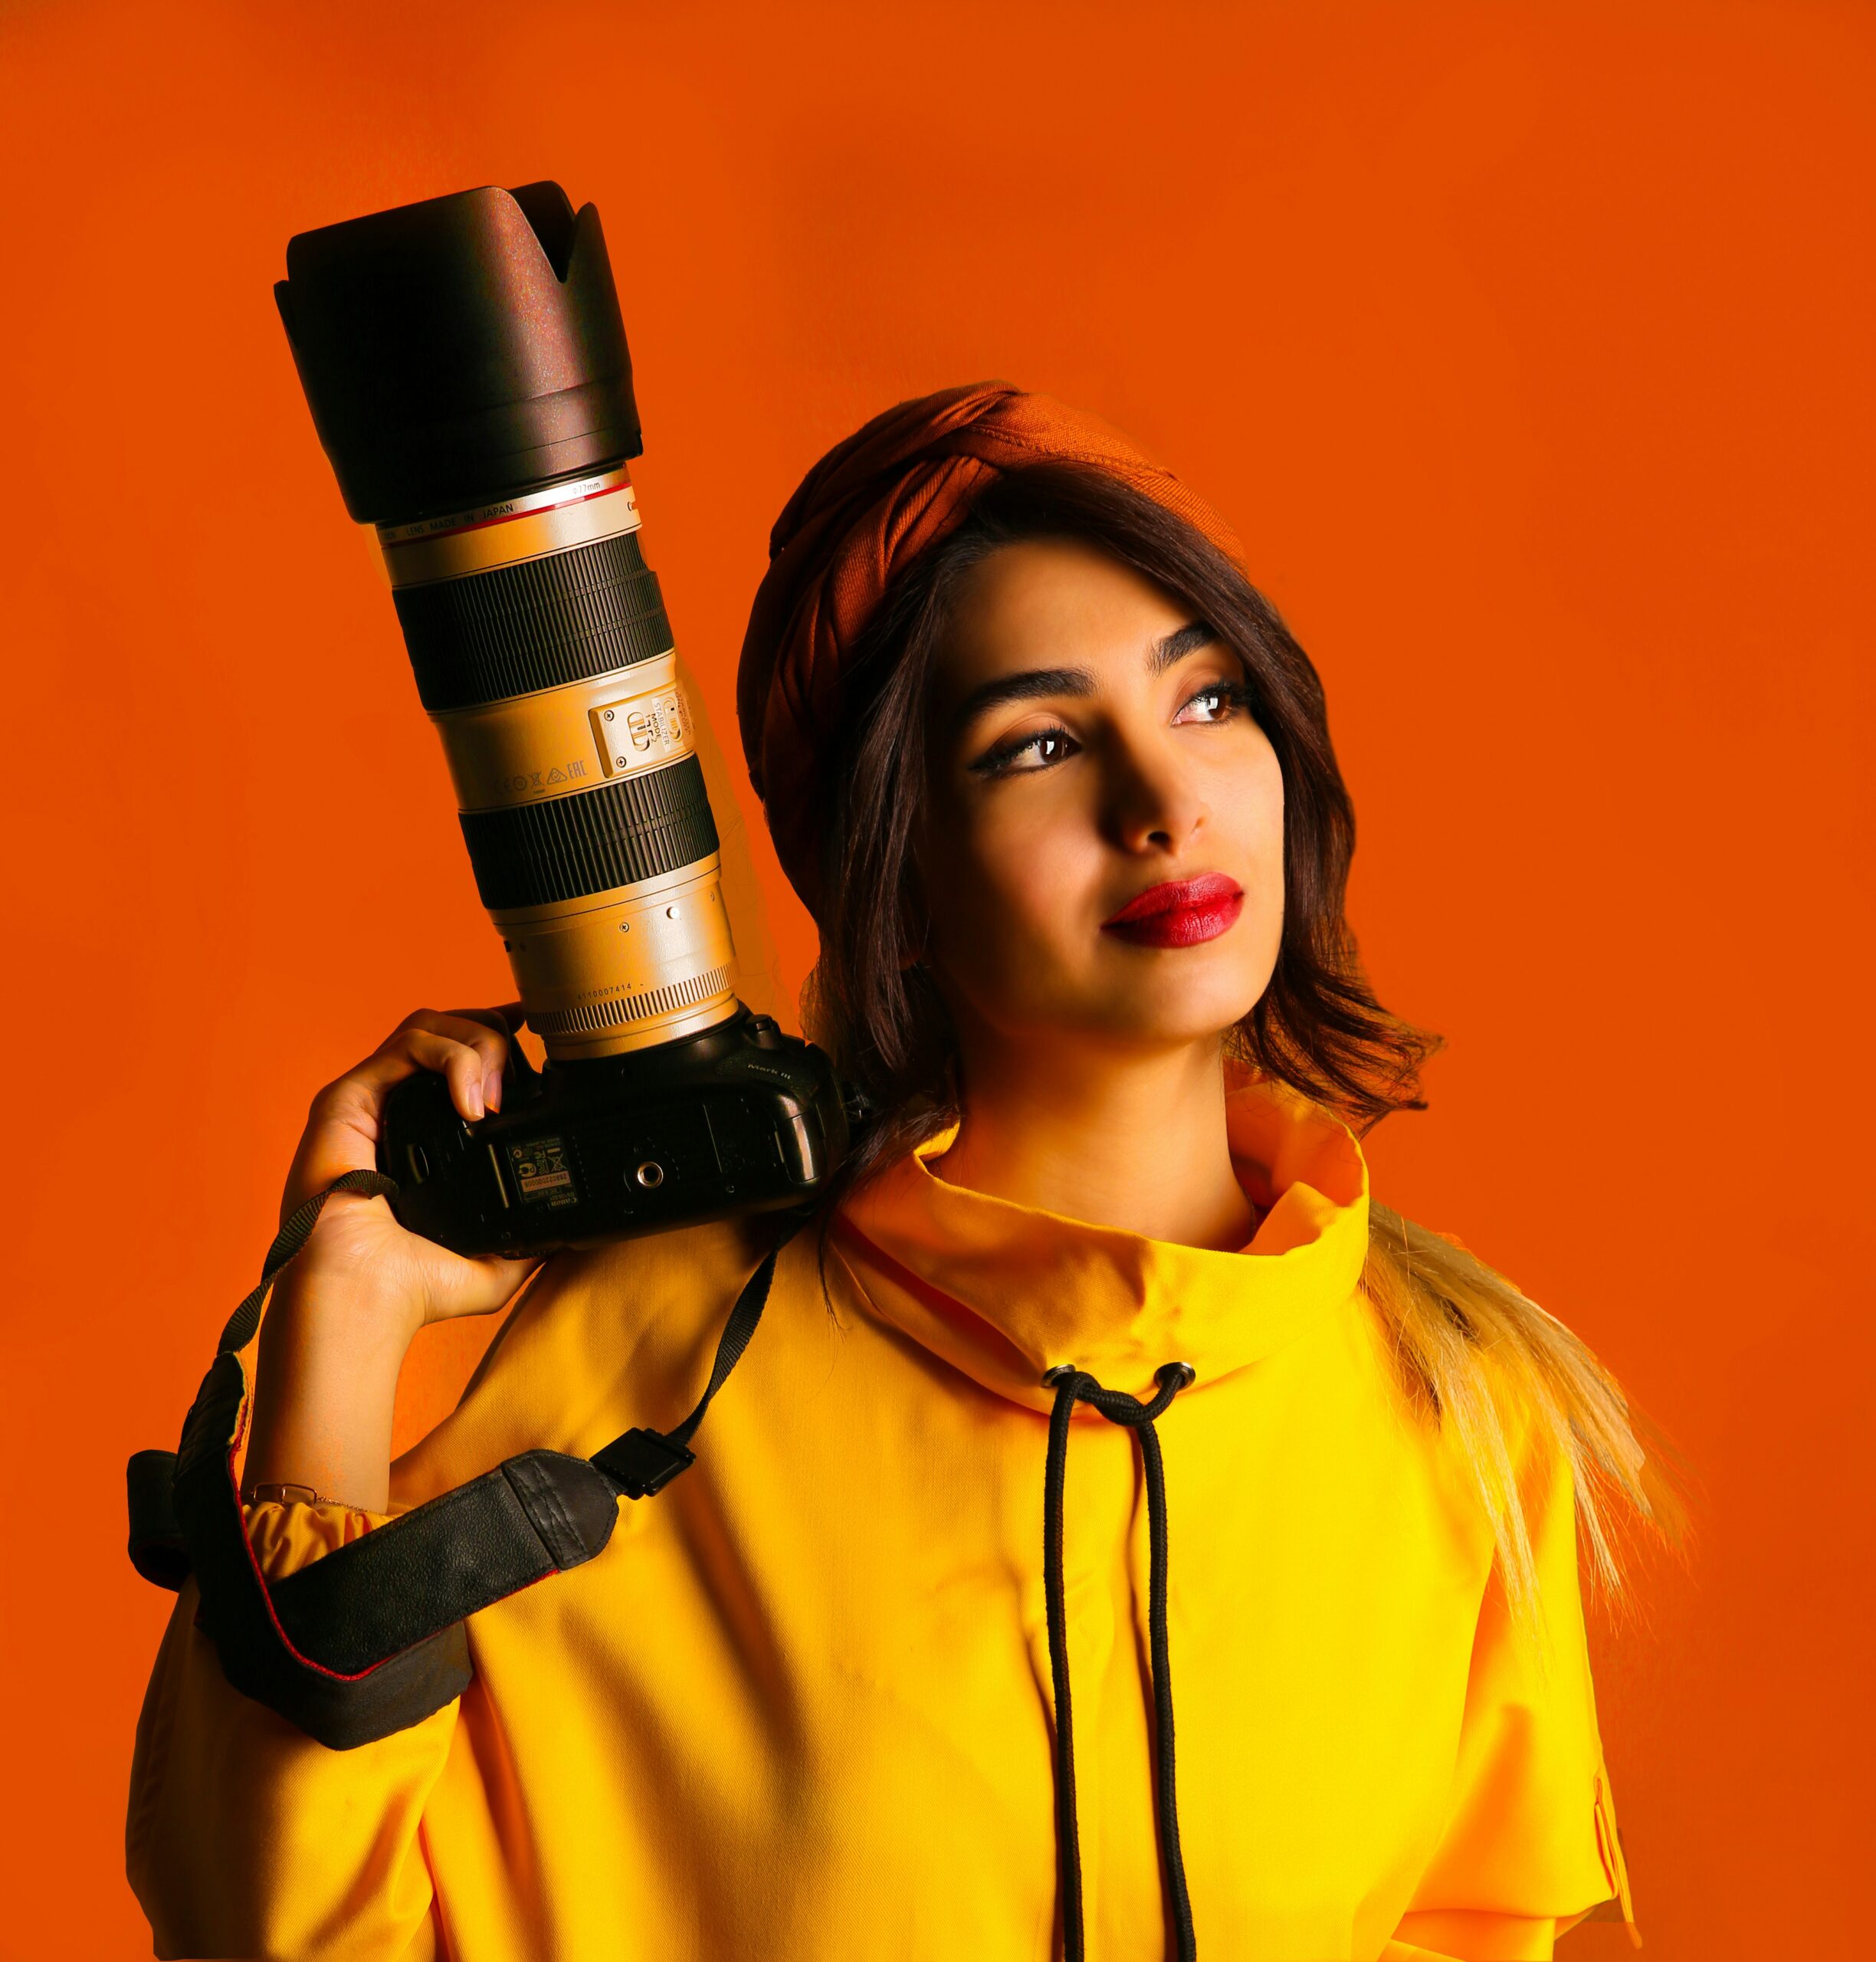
740 1118
466 364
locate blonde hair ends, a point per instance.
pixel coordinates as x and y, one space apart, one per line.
1476 1355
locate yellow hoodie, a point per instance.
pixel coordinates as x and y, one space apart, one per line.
801 1709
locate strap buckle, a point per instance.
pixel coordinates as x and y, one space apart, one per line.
642 1462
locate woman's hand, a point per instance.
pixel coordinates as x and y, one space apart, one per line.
357 1244
343 1311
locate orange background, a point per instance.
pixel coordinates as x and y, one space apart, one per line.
1526 346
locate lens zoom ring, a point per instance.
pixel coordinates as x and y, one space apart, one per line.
544 622
640 828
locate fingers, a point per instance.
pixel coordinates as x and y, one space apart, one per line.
468 1048
473 1074
471 1053
477 1286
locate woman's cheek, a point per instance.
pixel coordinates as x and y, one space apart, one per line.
1250 802
1015 917
1066 945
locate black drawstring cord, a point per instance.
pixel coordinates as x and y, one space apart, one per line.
1072 1386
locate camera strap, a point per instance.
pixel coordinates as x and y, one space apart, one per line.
369 1639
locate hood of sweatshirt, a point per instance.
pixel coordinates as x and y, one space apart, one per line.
1006 1292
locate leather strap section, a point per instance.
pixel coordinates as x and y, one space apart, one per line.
568 1503
370 1639
341 1710
158 1550
453 1556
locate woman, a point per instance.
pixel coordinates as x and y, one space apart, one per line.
1124 1530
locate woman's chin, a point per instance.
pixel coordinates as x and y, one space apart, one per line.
1186 1004
1166 1018
1169 1004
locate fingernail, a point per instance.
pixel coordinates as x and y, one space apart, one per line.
473 1097
491 1090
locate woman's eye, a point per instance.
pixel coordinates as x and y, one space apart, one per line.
1001 762
1227 696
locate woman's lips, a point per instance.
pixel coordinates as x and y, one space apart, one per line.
1180 914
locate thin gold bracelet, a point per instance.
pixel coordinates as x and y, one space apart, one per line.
285 1494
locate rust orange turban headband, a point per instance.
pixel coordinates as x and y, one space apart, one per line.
864 512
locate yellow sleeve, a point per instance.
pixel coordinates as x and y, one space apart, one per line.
1529 1846
288 1535
244 1836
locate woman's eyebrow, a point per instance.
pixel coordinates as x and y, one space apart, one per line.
1031 682
1177 644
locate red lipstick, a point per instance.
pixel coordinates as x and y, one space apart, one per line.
1179 913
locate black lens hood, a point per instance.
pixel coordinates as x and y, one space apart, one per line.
460 350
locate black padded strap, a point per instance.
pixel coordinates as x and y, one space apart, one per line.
462 1551
369 1639
541 1513
340 1707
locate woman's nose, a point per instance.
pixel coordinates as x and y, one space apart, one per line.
1151 801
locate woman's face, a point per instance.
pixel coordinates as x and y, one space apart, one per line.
1090 740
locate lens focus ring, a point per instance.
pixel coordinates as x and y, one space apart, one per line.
538 624
639 828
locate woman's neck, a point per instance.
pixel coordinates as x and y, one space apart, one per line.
1135 1141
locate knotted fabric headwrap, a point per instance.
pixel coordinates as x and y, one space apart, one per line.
864 512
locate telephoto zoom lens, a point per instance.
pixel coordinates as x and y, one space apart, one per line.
466 364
